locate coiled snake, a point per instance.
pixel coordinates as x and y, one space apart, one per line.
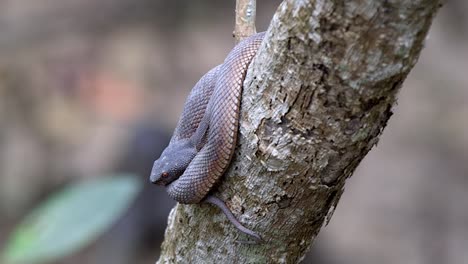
204 140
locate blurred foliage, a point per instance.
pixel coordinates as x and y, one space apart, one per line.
90 88
70 219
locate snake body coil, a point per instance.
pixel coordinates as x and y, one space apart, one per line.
205 138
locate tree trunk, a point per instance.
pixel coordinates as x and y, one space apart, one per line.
316 100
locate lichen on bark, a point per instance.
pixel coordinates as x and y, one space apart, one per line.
316 99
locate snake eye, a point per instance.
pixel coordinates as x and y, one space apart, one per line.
164 174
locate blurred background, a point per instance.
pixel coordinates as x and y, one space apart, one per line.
91 88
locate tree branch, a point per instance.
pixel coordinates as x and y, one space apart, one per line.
245 19
316 99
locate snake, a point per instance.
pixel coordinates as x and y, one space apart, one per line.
204 140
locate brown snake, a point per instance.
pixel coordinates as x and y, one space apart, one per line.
205 138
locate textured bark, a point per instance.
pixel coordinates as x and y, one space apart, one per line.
246 11
317 98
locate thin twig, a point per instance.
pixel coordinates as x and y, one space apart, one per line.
245 19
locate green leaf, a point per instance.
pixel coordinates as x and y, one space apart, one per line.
71 219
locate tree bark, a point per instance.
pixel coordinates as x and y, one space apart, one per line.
246 11
316 100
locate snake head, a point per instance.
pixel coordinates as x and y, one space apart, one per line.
172 163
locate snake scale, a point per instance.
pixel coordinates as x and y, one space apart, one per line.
204 140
